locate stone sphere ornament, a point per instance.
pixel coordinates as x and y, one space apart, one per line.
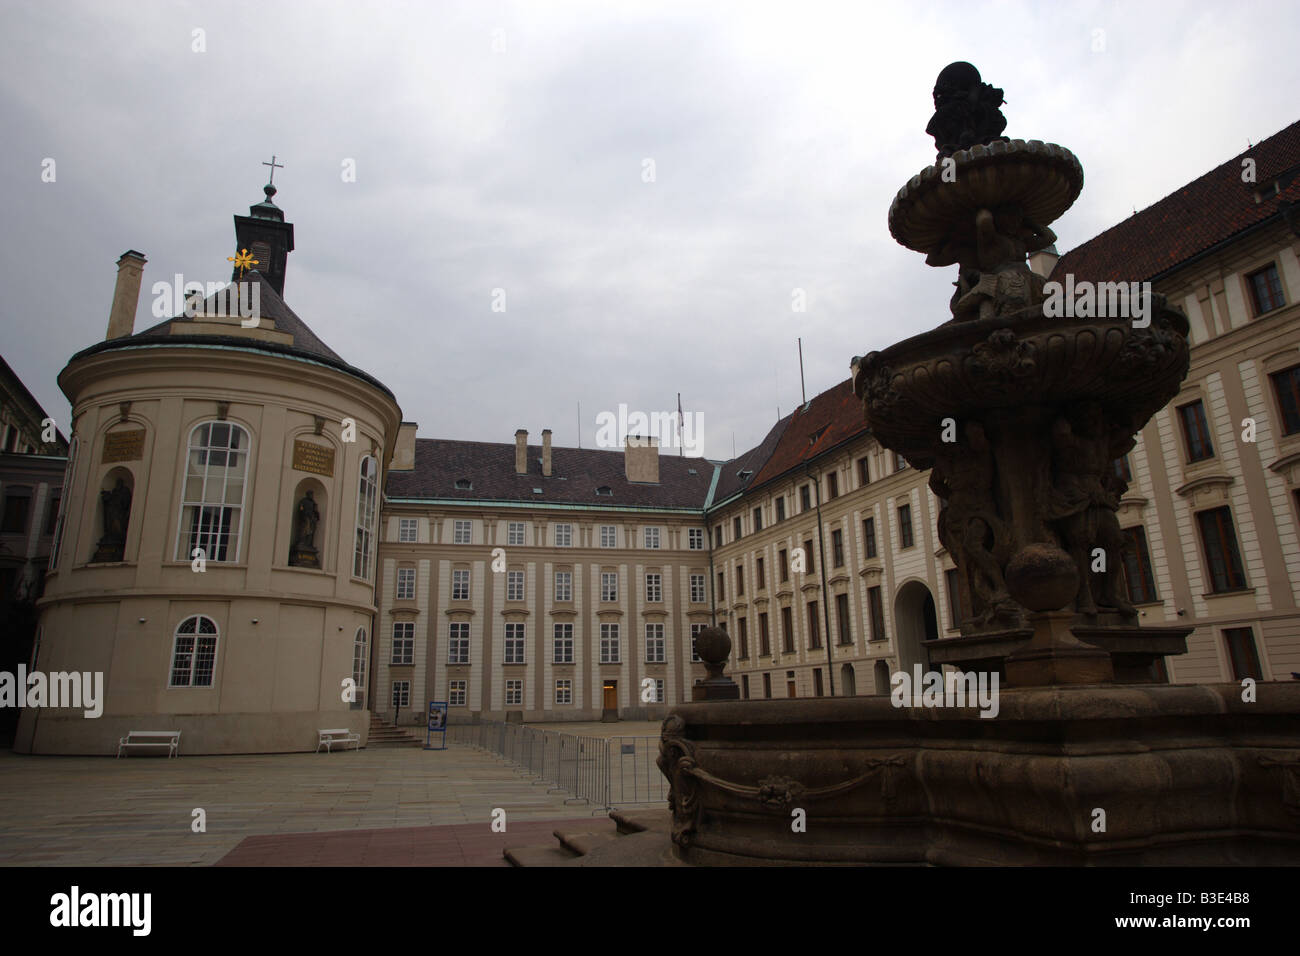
1042 577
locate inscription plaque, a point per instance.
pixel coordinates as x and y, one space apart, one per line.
318 459
123 446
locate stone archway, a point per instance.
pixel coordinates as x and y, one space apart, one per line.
848 681
914 621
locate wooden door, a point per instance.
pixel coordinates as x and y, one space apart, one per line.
611 695
789 687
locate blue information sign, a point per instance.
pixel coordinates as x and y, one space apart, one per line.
437 724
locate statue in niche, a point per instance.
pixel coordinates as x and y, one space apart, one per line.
966 110
307 517
1082 505
968 525
29 584
117 514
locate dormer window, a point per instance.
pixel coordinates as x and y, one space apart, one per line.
464 484
605 490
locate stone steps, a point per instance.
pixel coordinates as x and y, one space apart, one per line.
386 735
629 837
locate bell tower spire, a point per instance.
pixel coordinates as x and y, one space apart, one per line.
266 236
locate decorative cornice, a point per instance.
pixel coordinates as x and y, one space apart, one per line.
1205 481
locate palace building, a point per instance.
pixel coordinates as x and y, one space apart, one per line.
522 581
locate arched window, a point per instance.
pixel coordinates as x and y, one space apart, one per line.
63 502
360 657
212 500
194 652
367 492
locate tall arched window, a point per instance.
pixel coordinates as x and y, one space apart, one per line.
367 493
63 502
212 500
360 657
194 652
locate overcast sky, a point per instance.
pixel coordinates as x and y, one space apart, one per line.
504 146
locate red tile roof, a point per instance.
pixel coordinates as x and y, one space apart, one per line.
829 419
1190 220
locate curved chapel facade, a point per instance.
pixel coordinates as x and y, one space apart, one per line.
217 550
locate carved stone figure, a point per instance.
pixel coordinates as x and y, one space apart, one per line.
117 515
29 581
966 110
307 517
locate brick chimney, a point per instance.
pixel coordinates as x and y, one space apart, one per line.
546 453
404 449
1044 261
126 294
641 459
521 452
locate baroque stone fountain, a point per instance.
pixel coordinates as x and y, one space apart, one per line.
1019 415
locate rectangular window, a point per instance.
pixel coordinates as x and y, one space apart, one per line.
783 563
735 527
460 585
456 693
696 629
717 536
654 592
1137 567
654 643
743 624
401 693
832 485
869 536
817 681
864 470
406 530
1123 470
740 580
564 691
1221 549
462 532
758 520
837 548
814 627
514 693
652 538
609 644
514 585
697 589
764 638
760 577
695 539
808 557
52 514
899 462
905 538
564 535
564 585
608 536
563 644
659 690
1266 289
787 631
805 498
1242 653
1286 386
406 584
842 618
1196 431
403 642
876 609
608 587
954 597
780 508
457 642
15 516
212 500
514 642
722 585
515 533
767 686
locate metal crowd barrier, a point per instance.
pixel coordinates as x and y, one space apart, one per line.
604 772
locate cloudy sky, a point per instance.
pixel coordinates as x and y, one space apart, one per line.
508 146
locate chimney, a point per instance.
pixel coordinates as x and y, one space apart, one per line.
546 453
121 318
1044 261
404 449
521 452
641 459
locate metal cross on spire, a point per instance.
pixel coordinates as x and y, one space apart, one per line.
274 165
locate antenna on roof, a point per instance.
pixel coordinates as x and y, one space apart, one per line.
580 425
681 427
802 391
733 446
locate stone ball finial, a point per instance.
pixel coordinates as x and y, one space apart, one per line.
1042 577
713 645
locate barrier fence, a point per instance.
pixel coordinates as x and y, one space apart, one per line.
606 772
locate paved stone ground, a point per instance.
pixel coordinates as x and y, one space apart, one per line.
78 811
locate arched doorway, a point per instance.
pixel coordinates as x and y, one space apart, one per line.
848 681
881 671
914 622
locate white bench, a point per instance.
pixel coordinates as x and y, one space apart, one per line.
171 739
338 736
